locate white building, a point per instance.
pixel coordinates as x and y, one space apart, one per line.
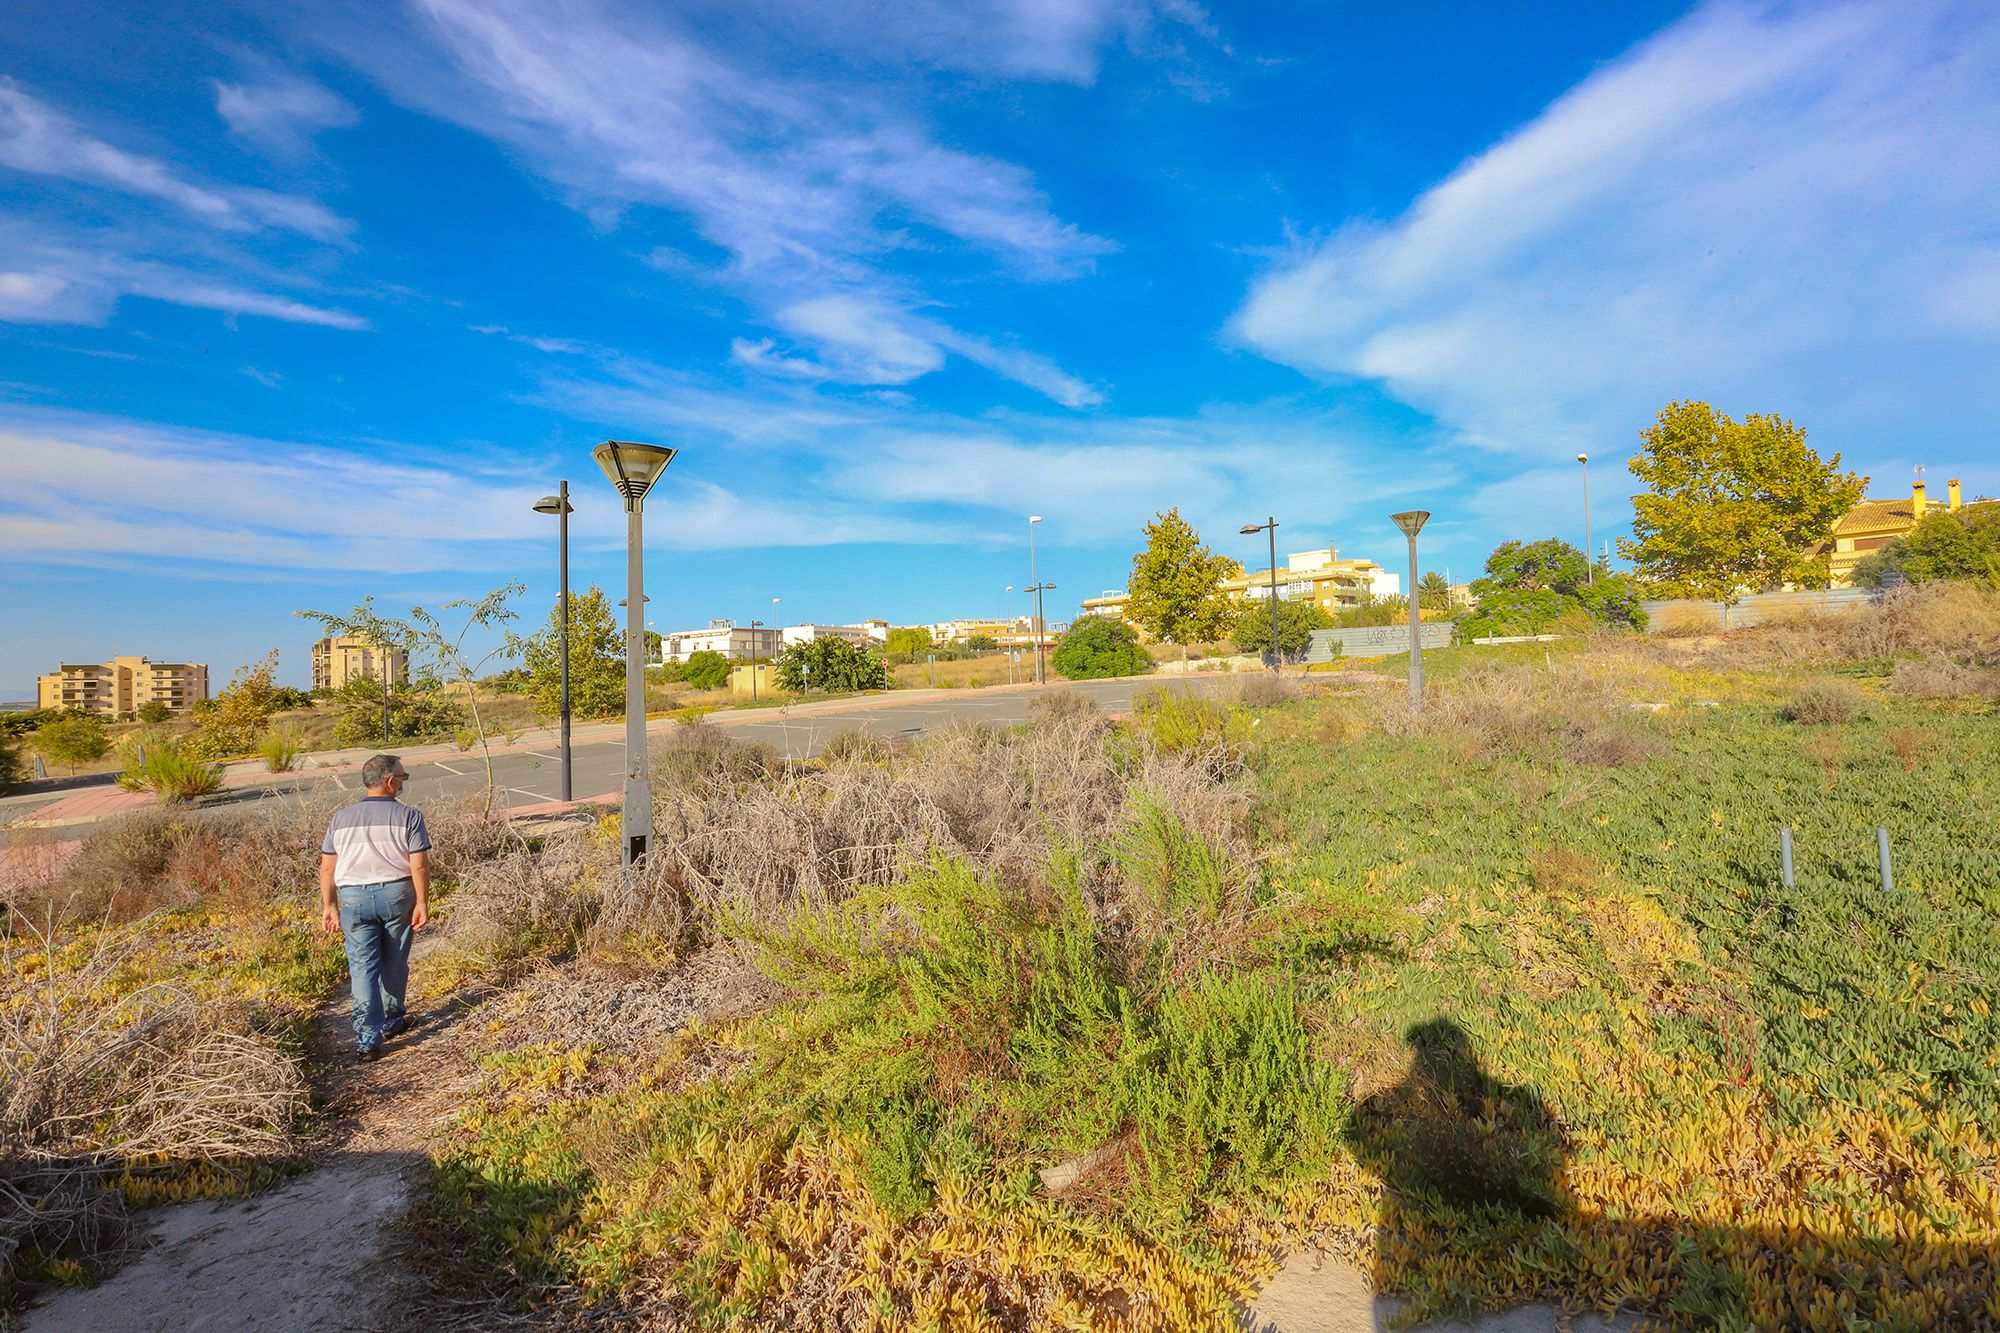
866 633
733 641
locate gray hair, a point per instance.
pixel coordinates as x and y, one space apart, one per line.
377 770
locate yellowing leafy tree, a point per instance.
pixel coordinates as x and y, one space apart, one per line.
1174 593
596 659
237 721
1732 506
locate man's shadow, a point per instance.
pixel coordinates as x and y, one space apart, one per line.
1451 1137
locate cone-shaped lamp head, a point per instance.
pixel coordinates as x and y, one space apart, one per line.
1411 521
632 468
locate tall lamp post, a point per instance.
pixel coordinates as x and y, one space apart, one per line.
1036 589
1270 525
755 625
559 505
1589 560
1041 675
1412 522
632 470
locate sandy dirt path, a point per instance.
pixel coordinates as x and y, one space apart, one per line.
325 1250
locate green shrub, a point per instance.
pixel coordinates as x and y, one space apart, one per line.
74 741
830 665
1097 647
707 670
279 750
172 771
1181 721
154 712
413 716
1824 703
12 768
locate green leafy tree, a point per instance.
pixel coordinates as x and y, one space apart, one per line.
153 712
980 643
11 767
1175 593
443 653
596 659
707 670
1099 646
908 643
241 712
1433 593
1296 622
414 715
1530 586
1732 506
73 741
830 664
1944 544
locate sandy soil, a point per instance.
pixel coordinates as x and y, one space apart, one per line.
326 1250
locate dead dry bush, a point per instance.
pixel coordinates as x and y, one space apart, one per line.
1061 705
1946 621
265 851
151 1081
1824 703
1572 710
1933 678
533 899
1009 803
1265 690
700 759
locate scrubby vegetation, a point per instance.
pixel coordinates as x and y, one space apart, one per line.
1077 1025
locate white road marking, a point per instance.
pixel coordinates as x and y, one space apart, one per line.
540 755
447 768
537 795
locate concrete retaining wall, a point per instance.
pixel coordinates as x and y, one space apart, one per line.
1375 640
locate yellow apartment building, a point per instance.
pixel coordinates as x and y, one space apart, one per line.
338 661
122 685
1319 576
1873 524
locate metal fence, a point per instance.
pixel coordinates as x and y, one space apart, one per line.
1682 615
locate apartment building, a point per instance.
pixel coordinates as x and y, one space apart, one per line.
738 643
1318 576
867 633
122 685
350 657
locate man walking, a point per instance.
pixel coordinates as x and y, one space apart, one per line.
374 887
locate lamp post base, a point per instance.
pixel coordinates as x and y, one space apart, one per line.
636 823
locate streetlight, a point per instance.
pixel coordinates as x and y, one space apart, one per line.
755 625
632 469
1041 674
559 505
1412 522
1270 525
1589 561
1041 678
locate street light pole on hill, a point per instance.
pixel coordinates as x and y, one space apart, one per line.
1270 525
1412 521
1040 678
1589 560
632 470
559 505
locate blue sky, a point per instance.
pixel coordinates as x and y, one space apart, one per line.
304 304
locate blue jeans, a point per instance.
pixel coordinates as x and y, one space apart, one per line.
375 919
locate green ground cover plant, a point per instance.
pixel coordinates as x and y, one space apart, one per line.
1506 1002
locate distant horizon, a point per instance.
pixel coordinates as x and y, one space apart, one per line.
310 304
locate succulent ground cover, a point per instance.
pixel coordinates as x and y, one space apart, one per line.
1078 1026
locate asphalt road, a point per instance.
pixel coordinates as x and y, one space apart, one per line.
531 777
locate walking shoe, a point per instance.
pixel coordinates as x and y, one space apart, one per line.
372 1053
401 1025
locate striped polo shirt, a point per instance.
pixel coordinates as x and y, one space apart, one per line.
374 839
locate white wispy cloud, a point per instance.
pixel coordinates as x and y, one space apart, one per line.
1769 206
279 110
80 280
810 183
858 339
87 489
35 137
